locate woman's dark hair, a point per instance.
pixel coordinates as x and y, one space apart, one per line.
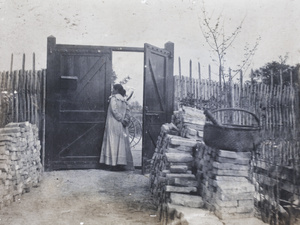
120 89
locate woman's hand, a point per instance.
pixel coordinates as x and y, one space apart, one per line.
125 123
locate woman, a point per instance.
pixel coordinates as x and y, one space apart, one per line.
115 149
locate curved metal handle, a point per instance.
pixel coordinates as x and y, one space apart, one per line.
208 114
238 109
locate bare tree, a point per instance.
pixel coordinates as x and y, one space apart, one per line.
214 34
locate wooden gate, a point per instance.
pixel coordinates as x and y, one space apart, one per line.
78 86
158 96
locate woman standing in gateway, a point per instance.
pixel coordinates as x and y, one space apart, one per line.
115 151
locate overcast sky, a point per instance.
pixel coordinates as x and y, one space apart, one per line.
26 24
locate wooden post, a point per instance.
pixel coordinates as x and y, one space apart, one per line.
241 88
272 74
169 46
23 63
180 79
23 100
20 95
11 62
280 77
27 94
11 96
8 104
33 62
220 76
252 80
241 79
209 73
199 71
230 89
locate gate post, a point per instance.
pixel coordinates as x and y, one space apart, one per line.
49 106
169 46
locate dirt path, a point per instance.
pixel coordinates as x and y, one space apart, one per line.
84 197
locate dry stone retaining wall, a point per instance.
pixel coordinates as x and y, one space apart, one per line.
224 182
20 163
186 172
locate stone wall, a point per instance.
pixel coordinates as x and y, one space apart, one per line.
186 172
20 163
224 183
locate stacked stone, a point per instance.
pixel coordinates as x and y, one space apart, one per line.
20 164
204 158
190 122
171 175
233 193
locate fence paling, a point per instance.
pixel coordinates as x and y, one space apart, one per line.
275 107
20 97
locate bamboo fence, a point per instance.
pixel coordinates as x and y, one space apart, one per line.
21 97
276 165
275 107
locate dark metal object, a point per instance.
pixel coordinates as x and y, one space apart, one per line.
231 137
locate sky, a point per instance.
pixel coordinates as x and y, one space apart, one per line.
26 24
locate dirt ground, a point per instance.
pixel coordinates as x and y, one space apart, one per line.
85 197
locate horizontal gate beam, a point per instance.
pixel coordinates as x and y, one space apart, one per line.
127 49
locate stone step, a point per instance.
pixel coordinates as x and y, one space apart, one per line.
170 188
179 157
179 150
185 182
233 155
187 200
230 166
236 215
242 161
176 140
178 169
236 173
180 175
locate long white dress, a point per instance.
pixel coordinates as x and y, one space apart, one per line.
116 147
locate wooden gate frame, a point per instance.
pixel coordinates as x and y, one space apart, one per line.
51 41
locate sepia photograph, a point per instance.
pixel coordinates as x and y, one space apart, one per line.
149 112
